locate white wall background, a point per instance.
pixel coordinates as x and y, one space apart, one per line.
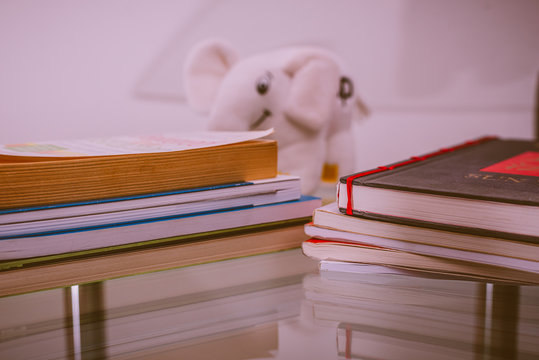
433 72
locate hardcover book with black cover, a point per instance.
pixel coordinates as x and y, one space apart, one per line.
488 186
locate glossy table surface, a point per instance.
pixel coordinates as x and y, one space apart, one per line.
273 306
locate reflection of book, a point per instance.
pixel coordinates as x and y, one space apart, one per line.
46 174
415 306
184 327
353 252
411 317
220 303
371 342
392 293
67 269
360 268
260 341
19 222
188 313
410 238
488 187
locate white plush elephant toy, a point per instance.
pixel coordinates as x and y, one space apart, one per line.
299 91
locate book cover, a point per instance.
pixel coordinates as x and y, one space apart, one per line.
484 185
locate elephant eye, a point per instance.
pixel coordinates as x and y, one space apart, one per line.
263 83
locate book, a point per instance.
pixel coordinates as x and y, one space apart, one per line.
42 273
36 174
372 231
134 232
488 187
46 219
353 252
417 248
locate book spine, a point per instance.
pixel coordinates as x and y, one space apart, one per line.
412 160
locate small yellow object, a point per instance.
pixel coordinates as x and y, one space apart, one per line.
330 173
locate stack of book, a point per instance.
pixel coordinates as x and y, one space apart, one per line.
88 210
470 210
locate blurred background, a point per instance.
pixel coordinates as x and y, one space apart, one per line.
433 73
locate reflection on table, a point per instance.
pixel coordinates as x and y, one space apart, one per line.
273 306
394 316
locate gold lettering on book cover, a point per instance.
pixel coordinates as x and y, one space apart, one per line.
500 177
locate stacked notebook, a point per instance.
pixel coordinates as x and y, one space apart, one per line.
469 210
94 209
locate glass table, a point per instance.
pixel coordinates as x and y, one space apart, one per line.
273 306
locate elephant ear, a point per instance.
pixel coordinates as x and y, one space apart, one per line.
205 67
314 88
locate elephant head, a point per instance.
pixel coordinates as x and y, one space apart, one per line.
298 91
